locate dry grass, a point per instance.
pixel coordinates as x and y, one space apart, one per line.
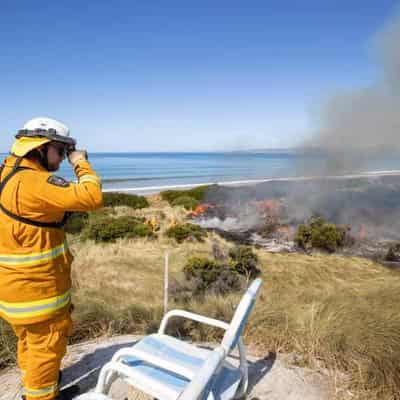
333 312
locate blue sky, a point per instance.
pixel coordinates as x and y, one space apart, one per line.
183 75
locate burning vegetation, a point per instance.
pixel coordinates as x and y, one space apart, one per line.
356 216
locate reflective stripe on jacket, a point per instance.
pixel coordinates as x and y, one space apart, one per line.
35 262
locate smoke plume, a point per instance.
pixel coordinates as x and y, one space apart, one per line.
361 125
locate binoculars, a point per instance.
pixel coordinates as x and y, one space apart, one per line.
69 149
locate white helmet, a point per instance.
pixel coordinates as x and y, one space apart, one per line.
48 128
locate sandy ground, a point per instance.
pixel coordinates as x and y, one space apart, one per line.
270 377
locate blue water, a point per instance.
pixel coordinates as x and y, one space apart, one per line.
141 171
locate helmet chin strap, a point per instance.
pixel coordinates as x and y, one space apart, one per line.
43 160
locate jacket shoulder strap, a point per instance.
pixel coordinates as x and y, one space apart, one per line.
24 220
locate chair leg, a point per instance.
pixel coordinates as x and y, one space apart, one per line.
106 377
109 380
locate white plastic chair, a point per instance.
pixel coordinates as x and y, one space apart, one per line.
170 369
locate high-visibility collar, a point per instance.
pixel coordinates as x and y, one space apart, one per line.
25 162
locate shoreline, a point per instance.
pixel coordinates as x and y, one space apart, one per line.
148 190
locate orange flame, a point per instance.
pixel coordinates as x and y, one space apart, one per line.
201 209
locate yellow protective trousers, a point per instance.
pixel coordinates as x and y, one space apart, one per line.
41 347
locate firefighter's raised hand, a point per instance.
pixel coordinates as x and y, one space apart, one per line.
76 156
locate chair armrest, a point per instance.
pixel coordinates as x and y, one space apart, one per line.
196 387
189 315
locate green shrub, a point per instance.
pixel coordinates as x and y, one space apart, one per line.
216 276
183 232
203 274
108 229
321 235
76 222
188 202
171 195
203 268
244 261
197 193
123 199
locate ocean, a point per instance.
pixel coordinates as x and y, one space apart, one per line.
152 172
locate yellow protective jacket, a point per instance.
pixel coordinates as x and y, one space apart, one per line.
35 262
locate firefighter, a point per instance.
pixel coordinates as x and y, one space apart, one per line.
35 282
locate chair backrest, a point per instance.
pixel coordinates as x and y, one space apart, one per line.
242 313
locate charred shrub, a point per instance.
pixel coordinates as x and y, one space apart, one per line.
320 234
123 199
393 253
244 261
188 202
183 232
268 229
108 229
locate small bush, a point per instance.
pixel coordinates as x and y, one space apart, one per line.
188 202
197 193
123 199
244 261
203 274
320 234
216 276
171 195
76 222
203 268
226 282
183 232
108 229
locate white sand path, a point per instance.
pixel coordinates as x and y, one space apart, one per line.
270 377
